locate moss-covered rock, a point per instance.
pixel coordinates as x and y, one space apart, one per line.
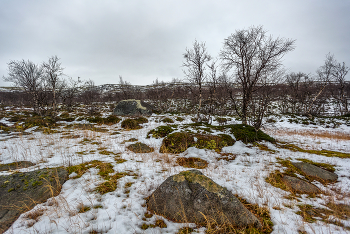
192 197
20 192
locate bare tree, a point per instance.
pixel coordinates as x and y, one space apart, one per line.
53 72
126 88
339 72
29 76
90 96
71 91
213 82
195 62
253 56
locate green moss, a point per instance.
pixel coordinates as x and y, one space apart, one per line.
160 132
37 183
204 181
10 190
247 134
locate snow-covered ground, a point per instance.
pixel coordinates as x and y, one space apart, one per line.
121 212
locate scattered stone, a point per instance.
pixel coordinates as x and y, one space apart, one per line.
192 197
132 107
300 186
140 148
20 192
315 172
16 165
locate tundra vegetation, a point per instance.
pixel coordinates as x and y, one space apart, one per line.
246 130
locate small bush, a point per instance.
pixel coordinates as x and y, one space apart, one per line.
192 162
222 120
176 143
180 119
247 134
141 120
111 119
39 121
160 132
140 148
167 120
130 124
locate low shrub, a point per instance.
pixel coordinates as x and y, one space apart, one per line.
167 120
192 162
180 119
39 121
248 134
139 147
141 120
109 120
130 124
178 142
160 132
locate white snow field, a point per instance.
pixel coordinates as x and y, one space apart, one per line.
122 211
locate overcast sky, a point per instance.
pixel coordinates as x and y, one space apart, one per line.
145 40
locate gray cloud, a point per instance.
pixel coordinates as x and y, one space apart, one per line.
145 40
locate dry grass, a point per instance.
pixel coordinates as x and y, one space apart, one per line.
311 133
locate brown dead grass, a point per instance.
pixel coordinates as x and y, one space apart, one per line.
312 133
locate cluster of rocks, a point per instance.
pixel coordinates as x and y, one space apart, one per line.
312 172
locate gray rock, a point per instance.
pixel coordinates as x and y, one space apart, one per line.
300 186
315 172
192 197
132 107
20 192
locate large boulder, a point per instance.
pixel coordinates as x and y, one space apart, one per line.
315 172
132 107
194 198
20 192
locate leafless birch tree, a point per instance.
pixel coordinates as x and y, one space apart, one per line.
195 63
252 56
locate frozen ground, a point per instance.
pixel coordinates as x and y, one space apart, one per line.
123 212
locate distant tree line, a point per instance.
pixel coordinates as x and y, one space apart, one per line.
247 79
